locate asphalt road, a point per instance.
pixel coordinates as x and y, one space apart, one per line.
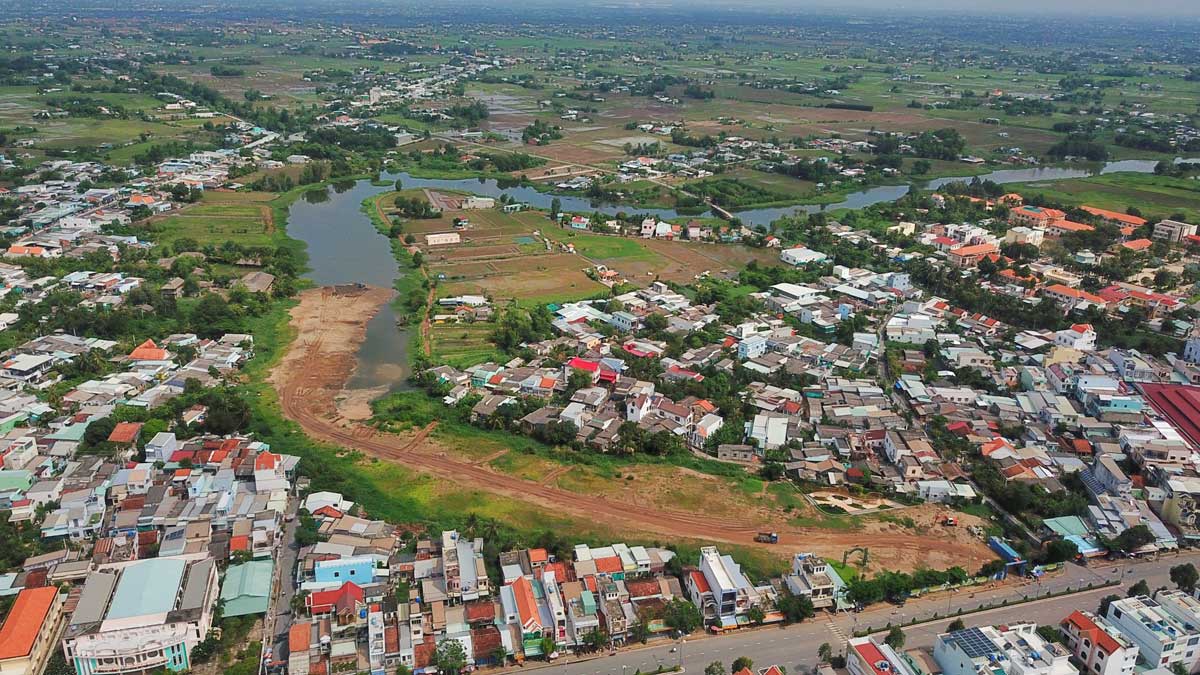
279 614
796 646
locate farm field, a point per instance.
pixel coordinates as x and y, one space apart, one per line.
463 344
210 222
641 261
1159 196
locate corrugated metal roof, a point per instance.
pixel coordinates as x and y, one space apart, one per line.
147 587
96 591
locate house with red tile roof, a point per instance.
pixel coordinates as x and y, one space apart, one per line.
1034 216
328 512
341 605
1115 217
1069 298
1100 647
528 618
148 351
125 433
965 257
1081 336
1058 228
1136 245
20 251
30 629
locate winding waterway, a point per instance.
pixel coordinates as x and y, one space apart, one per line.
854 200
344 247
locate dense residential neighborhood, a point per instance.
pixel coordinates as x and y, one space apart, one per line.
600 339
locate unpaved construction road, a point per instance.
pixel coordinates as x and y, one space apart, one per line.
310 381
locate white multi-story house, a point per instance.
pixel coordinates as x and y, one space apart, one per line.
463 567
1098 646
142 615
1079 336
1015 650
720 589
810 577
1161 638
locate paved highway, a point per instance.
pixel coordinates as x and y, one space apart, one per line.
796 646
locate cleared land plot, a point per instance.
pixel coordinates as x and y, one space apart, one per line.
462 345
643 260
473 252
215 223
544 278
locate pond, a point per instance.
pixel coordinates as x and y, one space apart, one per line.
345 248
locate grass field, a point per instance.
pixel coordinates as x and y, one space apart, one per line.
462 345
247 224
605 248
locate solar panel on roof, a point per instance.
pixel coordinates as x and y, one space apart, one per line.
973 642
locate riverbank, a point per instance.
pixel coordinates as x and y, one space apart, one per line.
331 323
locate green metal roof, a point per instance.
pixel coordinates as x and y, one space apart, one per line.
71 433
15 479
247 587
147 587
1067 525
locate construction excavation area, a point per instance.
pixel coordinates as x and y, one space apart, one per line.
330 324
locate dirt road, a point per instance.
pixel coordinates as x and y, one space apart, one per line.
310 381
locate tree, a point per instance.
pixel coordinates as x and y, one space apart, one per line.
1060 550
824 652
682 615
595 639
640 631
895 638
1050 633
741 662
1140 588
403 670
548 647
299 601
450 657
555 207
715 668
955 625
756 615
1107 600
796 608
1133 538
1185 577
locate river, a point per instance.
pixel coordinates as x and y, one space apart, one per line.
345 248
854 200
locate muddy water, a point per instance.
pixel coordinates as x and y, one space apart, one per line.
345 248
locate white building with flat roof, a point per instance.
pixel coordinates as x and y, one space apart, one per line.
722 592
1014 650
1162 639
